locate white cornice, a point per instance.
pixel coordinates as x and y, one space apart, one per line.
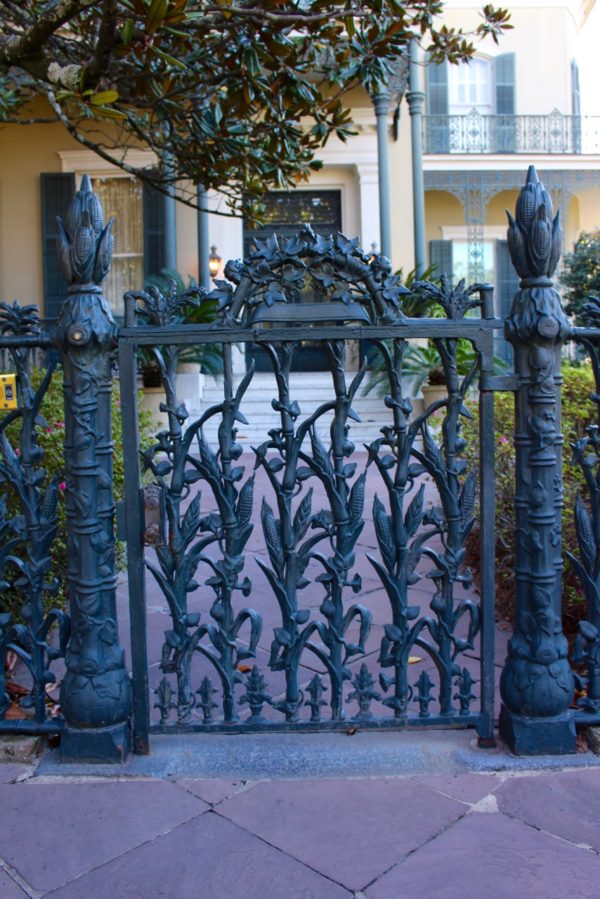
455 162
86 161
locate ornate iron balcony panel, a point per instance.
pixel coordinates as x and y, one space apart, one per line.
485 134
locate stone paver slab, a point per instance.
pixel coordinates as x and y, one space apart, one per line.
565 804
69 828
9 889
351 831
10 772
215 791
207 858
489 855
465 787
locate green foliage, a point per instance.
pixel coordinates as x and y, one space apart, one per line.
51 439
577 412
422 364
581 273
208 355
216 90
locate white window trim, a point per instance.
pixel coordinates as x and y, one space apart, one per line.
85 162
461 232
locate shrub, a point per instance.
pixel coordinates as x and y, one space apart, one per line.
577 412
581 273
51 441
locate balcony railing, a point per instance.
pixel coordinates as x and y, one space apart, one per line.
477 133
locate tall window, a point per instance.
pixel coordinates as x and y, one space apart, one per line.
121 198
462 260
470 86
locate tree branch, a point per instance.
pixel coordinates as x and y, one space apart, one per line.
14 50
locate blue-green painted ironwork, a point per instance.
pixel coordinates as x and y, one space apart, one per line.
327 663
26 537
361 299
586 454
537 682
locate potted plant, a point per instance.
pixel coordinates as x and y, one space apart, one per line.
194 361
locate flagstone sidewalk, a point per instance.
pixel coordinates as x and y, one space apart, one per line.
362 815
530 834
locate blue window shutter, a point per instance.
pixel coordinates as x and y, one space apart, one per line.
440 256
437 88
507 284
154 231
504 79
437 138
57 192
505 84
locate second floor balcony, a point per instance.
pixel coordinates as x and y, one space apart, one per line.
553 134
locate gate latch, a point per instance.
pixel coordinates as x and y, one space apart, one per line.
153 502
154 515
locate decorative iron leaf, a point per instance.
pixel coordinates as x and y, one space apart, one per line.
585 534
191 520
414 513
303 516
320 455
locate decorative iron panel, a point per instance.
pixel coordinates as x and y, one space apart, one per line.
271 625
476 132
28 525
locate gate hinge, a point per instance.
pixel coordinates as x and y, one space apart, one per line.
498 383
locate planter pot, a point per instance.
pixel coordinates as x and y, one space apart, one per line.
152 397
433 392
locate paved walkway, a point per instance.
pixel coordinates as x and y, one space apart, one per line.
409 815
521 834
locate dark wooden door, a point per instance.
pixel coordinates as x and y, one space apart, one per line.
286 213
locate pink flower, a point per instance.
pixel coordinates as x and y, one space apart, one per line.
62 485
503 440
59 424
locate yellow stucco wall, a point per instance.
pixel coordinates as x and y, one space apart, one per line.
25 152
539 38
589 210
441 208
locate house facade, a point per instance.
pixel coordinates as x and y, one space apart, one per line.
516 103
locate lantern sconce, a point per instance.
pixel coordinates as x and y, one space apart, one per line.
214 262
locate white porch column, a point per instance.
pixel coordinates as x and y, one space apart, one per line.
369 205
227 234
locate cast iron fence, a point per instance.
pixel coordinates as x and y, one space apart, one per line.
307 496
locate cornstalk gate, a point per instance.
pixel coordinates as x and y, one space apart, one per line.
291 576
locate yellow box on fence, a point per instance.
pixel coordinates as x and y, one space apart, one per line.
8 391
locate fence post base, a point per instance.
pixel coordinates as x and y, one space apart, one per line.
538 736
104 745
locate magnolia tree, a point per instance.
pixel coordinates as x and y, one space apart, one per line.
236 95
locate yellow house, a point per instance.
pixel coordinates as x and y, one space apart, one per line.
516 103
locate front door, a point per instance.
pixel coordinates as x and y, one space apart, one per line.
286 213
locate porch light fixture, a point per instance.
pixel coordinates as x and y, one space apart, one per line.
214 262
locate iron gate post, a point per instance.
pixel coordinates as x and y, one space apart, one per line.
537 682
95 695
